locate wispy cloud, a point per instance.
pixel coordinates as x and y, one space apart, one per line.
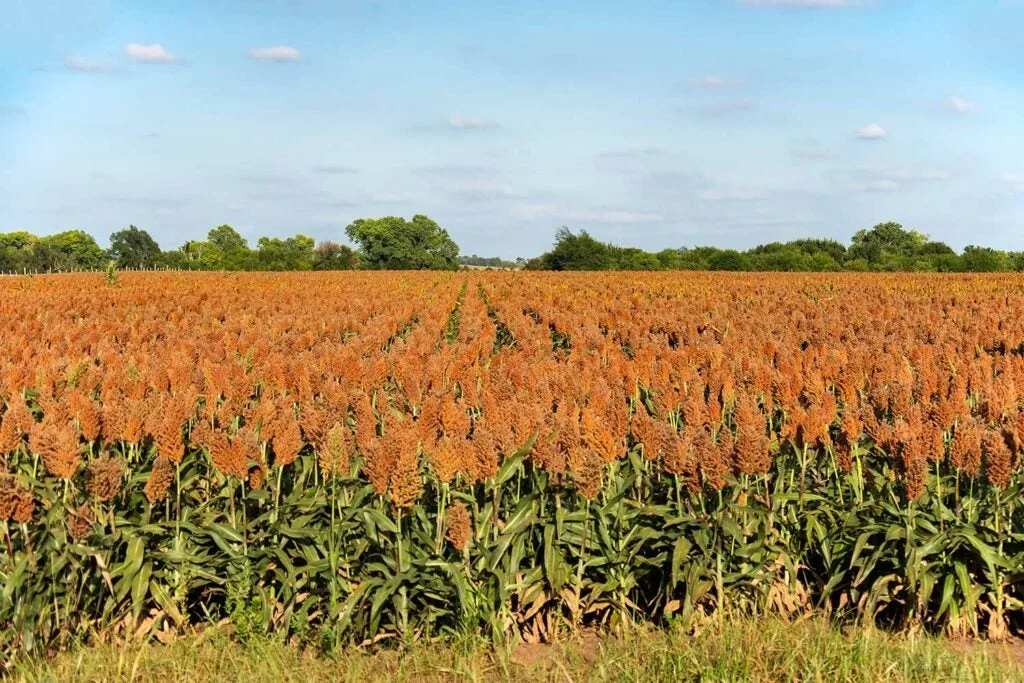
83 65
880 185
486 191
740 194
154 202
889 179
456 171
562 213
719 110
812 153
261 178
385 198
364 199
279 53
960 105
712 81
872 131
334 169
906 175
150 54
1013 181
803 3
634 153
459 122
673 184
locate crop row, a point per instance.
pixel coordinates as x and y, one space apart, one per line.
363 457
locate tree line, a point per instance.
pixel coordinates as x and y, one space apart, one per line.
381 243
394 243
490 262
887 247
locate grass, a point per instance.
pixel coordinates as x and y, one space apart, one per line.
739 650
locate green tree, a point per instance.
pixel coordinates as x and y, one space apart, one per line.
393 243
946 263
728 259
485 261
233 252
884 241
697 258
201 255
669 259
227 239
935 249
175 259
16 250
778 257
984 260
134 248
635 259
17 240
1016 259
578 252
72 249
293 253
836 251
333 256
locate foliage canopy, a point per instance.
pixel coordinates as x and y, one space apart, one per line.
393 243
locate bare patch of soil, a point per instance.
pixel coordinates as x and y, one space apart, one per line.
550 656
1010 651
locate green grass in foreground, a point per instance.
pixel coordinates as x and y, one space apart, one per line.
746 650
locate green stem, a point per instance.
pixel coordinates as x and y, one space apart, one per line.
245 517
277 494
803 475
442 503
679 496
332 548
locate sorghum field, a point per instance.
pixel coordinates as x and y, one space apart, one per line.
380 457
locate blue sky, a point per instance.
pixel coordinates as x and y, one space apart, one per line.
655 124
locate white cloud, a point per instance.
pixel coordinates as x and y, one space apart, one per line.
469 122
149 54
960 105
279 53
81 64
712 81
872 131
